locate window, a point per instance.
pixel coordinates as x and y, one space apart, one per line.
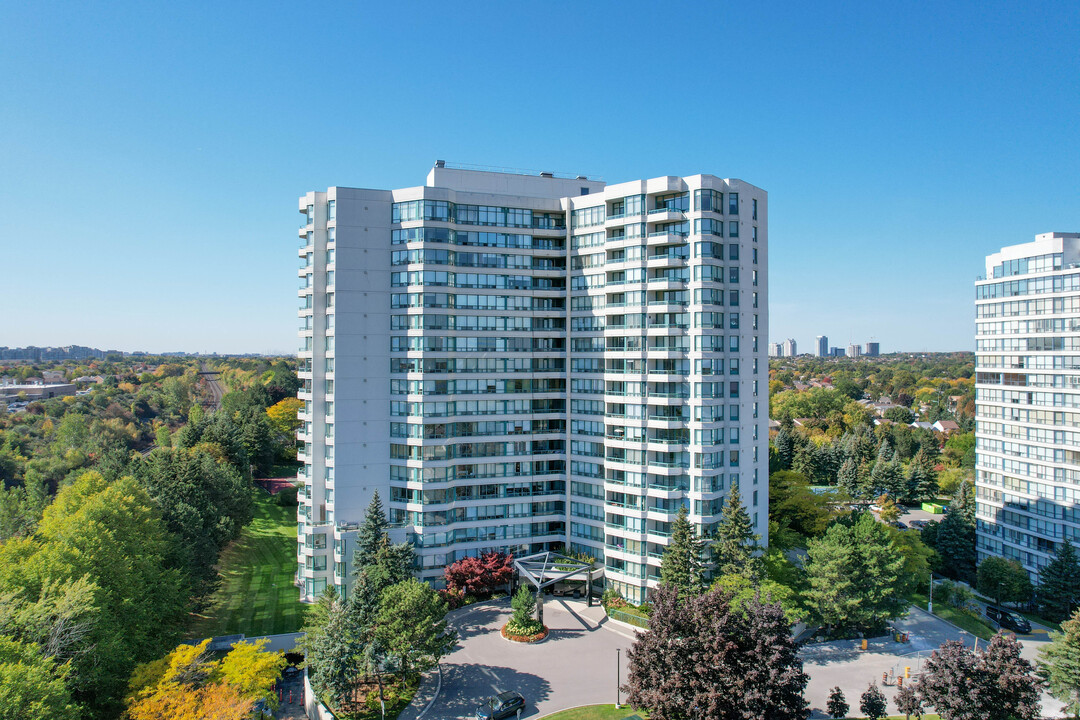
733 203
733 228
708 201
754 214
733 252
331 210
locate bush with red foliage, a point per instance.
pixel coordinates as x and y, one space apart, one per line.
480 576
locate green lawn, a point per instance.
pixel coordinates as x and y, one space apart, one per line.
257 595
964 620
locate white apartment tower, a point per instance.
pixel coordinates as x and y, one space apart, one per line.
529 362
790 347
1027 400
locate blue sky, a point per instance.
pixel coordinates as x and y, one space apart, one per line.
151 155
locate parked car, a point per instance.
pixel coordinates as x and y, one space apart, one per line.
503 705
1008 619
918 524
899 525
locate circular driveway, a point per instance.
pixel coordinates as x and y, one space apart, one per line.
574 665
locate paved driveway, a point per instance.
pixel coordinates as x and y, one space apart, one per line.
844 664
575 665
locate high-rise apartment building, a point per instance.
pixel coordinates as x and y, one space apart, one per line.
791 348
776 350
822 346
1027 399
522 362
873 349
854 350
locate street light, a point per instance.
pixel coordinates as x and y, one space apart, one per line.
618 652
930 603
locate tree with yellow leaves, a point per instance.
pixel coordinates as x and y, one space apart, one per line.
187 684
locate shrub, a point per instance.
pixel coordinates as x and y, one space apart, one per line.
524 605
525 629
286 497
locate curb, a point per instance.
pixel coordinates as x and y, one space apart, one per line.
949 622
578 707
438 689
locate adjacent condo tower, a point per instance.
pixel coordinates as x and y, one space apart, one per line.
1027 385
530 362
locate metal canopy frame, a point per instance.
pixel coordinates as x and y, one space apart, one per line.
544 569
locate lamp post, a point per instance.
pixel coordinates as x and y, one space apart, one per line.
930 603
618 659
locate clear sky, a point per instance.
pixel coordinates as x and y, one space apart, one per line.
152 154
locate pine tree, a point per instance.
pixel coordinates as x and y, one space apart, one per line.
735 545
681 566
372 533
848 478
806 461
785 449
872 703
1060 664
837 705
922 478
1059 583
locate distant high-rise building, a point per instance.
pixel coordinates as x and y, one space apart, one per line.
822 345
790 348
837 352
854 350
1027 395
776 349
873 349
529 362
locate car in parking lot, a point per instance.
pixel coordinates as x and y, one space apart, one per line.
918 524
899 525
503 705
1008 619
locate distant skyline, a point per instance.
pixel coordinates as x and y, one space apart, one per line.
153 154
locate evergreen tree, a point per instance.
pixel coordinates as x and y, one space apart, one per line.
848 478
1060 664
785 449
855 570
1059 583
837 705
372 533
735 545
872 703
806 461
885 453
954 538
681 565
921 479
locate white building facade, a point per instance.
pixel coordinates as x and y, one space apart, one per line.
1027 402
525 362
822 346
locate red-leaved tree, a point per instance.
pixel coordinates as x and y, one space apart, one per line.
480 576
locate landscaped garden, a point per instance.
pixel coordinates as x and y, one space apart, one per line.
256 595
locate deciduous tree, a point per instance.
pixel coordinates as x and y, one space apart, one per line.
32 686
699 659
1004 580
837 705
996 685
480 576
872 703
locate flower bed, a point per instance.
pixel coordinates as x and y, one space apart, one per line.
513 637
